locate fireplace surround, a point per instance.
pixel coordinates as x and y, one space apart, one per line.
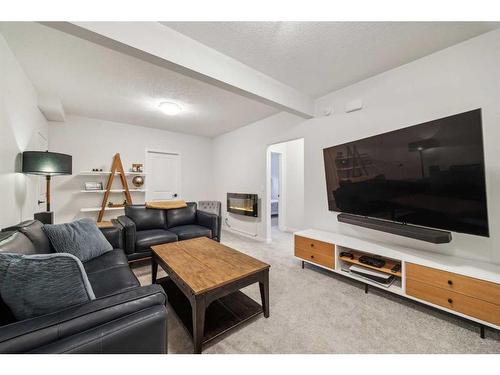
243 204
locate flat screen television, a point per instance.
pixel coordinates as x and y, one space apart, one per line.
429 175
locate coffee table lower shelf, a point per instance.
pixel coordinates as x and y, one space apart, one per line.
221 316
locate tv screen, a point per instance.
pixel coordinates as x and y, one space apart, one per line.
431 175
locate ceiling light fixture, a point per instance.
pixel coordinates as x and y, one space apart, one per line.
170 108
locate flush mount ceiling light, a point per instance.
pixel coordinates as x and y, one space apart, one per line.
170 108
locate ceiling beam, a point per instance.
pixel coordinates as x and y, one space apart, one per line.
165 47
51 107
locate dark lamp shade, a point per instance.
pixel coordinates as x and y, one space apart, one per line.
46 163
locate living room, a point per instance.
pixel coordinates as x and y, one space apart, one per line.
138 158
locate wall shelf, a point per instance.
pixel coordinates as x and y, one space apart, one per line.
97 209
90 173
113 191
103 193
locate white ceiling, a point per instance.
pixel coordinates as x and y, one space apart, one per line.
97 82
314 57
319 57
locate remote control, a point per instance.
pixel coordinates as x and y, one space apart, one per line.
346 254
396 268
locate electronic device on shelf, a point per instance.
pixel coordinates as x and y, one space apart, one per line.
373 275
371 261
396 268
347 254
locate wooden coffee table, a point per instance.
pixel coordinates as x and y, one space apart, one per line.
211 274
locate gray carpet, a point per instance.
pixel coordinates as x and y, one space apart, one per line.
314 311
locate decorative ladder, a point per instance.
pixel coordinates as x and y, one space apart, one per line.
116 167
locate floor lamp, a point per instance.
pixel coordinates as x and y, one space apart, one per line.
48 164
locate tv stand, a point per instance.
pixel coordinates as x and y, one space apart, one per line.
466 288
412 231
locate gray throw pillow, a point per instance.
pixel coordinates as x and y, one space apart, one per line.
81 238
34 285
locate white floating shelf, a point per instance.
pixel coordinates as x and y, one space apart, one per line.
97 209
90 173
113 191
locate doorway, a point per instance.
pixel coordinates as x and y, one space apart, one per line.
284 188
163 175
276 159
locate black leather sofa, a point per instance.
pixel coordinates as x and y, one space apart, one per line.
124 317
144 227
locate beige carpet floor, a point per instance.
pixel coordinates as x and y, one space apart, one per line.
314 311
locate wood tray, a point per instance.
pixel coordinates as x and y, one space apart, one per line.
221 316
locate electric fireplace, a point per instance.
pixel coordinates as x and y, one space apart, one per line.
242 204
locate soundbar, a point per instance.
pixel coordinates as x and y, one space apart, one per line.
411 231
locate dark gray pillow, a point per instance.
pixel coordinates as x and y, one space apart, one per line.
81 238
34 285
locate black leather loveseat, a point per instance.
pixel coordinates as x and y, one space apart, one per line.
124 317
145 227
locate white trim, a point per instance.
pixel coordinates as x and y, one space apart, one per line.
244 234
281 189
266 216
282 192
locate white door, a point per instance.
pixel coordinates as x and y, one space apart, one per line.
162 176
43 145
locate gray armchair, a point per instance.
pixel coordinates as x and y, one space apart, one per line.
213 207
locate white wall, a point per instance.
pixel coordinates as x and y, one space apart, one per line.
240 162
294 194
20 125
454 80
94 142
292 189
275 175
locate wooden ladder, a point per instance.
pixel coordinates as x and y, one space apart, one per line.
116 167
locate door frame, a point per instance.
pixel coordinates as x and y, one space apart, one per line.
281 191
267 203
166 152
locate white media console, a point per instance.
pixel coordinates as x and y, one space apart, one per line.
467 288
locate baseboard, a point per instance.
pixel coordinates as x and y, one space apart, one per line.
244 234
